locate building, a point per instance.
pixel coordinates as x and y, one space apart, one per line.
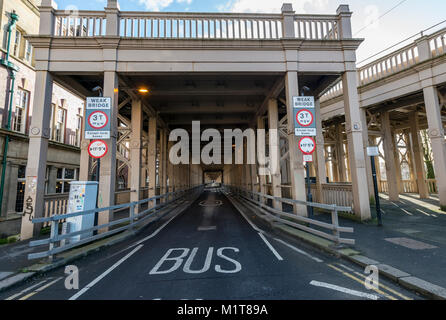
65 124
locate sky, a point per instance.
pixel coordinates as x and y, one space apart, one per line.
410 17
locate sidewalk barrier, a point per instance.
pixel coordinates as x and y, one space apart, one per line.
56 240
258 200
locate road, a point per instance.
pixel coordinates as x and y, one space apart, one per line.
210 251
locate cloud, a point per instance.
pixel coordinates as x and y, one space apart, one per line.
272 6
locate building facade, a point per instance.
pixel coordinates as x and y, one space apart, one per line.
67 111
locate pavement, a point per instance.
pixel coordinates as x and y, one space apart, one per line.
210 250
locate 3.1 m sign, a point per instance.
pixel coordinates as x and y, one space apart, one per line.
97 113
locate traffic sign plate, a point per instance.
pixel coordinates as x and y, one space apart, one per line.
308 158
307 145
98 119
97 149
304 117
97 113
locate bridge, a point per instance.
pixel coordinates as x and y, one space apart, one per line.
400 95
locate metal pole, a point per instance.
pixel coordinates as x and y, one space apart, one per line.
12 68
375 187
98 171
310 196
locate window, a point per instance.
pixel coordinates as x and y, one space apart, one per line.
20 111
28 51
17 41
59 134
63 179
78 137
21 183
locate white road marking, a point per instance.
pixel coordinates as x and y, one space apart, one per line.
345 267
40 289
99 278
270 247
425 213
210 228
344 290
27 289
298 250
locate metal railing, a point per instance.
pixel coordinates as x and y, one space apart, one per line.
259 201
57 242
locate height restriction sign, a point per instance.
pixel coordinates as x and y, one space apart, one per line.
304 117
307 145
97 149
97 112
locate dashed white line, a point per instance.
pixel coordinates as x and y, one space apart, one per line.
278 256
298 250
344 290
99 278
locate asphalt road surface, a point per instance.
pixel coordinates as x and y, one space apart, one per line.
210 251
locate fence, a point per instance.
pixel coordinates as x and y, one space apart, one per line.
169 25
54 204
258 200
57 241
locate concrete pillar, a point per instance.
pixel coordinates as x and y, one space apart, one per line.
170 171
107 176
340 155
366 142
37 153
112 16
354 129
389 153
135 150
436 135
163 161
399 182
321 174
47 20
297 168
151 161
274 151
261 146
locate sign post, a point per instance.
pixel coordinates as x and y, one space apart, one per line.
307 146
97 127
374 152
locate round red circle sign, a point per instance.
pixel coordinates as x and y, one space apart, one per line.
304 118
97 149
98 119
307 145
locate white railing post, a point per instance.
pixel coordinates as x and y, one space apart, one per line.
53 235
112 16
47 18
424 51
288 21
345 25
